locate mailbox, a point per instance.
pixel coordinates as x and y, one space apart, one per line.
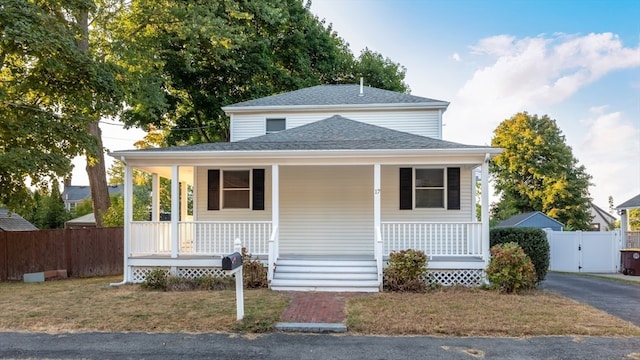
232 261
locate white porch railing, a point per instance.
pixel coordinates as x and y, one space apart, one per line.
435 239
200 237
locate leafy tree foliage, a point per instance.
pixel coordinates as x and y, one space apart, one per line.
53 90
537 172
229 52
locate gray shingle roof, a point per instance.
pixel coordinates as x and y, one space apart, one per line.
14 222
520 218
632 203
80 192
334 133
335 95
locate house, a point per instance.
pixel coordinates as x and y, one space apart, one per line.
321 184
534 219
600 219
13 222
72 195
632 238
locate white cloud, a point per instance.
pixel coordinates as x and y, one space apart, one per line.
529 74
456 57
611 153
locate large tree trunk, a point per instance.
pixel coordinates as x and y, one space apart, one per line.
95 165
98 176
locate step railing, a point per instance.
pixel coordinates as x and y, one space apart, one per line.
435 239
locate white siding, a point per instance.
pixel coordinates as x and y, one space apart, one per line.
390 201
230 214
326 210
419 122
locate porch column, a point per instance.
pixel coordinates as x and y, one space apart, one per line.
183 201
376 196
624 227
378 245
155 197
275 209
274 247
485 209
175 209
128 217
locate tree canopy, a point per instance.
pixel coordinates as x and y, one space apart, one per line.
538 172
230 52
169 65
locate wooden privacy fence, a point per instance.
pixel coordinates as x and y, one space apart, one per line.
82 252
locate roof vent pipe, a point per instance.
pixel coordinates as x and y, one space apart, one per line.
361 87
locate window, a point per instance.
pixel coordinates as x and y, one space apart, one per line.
235 189
429 184
275 125
594 227
430 188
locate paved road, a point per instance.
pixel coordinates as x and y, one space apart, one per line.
278 346
616 298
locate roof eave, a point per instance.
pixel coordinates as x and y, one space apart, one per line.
123 154
434 105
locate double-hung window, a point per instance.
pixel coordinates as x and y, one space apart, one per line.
429 185
235 189
431 188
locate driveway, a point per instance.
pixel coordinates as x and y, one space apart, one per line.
616 298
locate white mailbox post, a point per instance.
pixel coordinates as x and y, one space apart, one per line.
236 269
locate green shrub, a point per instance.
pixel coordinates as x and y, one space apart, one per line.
254 273
156 279
532 240
510 269
406 271
179 283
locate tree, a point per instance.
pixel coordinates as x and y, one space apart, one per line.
229 52
54 89
537 172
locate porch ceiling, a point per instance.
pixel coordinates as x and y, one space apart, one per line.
185 172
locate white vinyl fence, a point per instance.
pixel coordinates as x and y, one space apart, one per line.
578 251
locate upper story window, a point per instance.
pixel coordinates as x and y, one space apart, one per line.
276 124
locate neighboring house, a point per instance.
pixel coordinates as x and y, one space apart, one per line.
600 219
534 219
72 195
13 222
632 237
81 222
322 184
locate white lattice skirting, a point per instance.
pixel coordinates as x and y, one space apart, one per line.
464 277
139 273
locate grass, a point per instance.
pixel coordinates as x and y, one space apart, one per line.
476 312
83 305
80 305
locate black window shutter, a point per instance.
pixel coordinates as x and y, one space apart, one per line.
453 188
406 188
258 189
213 190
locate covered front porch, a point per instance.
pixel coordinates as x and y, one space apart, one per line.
344 224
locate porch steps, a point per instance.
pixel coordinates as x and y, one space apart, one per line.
336 275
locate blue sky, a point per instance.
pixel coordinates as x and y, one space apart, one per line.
576 61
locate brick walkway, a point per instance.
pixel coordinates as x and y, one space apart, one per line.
317 307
